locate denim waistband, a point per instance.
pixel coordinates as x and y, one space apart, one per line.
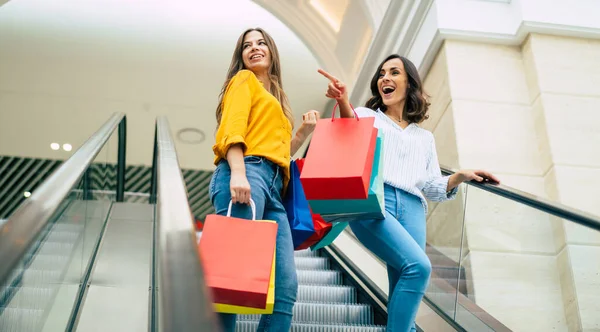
401 192
268 162
264 160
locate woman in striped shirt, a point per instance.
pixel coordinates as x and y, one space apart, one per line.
411 175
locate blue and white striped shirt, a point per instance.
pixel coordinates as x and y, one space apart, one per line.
410 159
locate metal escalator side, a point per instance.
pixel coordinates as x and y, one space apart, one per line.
48 243
37 294
118 283
147 274
78 259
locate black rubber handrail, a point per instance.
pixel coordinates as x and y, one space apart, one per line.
536 202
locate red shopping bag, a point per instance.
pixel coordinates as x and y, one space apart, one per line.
300 164
322 227
339 160
237 255
199 224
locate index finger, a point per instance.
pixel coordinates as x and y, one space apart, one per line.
327 75
495 179
489 176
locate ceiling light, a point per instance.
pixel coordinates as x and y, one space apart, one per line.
27 194
67 147
191 136
54 146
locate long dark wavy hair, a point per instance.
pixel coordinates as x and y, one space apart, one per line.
237 64
415 105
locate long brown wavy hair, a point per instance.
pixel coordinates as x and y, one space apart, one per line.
237 64
415 105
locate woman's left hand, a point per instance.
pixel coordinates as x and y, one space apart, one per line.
478 175
309 121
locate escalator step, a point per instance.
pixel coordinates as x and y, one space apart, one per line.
67 227
306 253
312 263
20 320
327 314
313 277
48 262
5 292
31 298
39 277
252 326
56 248
326 294
63 236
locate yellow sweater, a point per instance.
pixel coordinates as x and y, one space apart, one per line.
253 117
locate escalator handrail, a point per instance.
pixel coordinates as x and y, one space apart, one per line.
536 202
31 217
184 301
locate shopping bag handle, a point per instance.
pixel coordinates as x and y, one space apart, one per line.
252 206
335 107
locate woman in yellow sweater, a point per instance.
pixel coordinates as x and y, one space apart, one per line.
252 153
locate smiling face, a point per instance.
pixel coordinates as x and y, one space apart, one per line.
255 52
392 82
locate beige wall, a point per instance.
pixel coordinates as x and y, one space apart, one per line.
564 85
444 227
477 93
529 114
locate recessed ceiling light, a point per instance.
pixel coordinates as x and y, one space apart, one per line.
191 136
54 146
26 194
67 147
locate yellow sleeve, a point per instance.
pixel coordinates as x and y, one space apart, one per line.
237 102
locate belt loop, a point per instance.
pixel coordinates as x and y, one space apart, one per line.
398 203
274 181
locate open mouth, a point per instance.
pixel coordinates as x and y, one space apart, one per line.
387 90
256 56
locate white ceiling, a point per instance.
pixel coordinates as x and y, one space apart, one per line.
65 66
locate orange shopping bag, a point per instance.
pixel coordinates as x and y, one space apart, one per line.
234 309
238 257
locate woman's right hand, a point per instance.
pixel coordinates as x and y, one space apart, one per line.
338 91
238 184
335 89
240 188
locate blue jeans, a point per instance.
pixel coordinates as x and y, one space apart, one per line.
399 240
265 187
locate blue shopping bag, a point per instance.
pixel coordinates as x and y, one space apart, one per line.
297 208
358 209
